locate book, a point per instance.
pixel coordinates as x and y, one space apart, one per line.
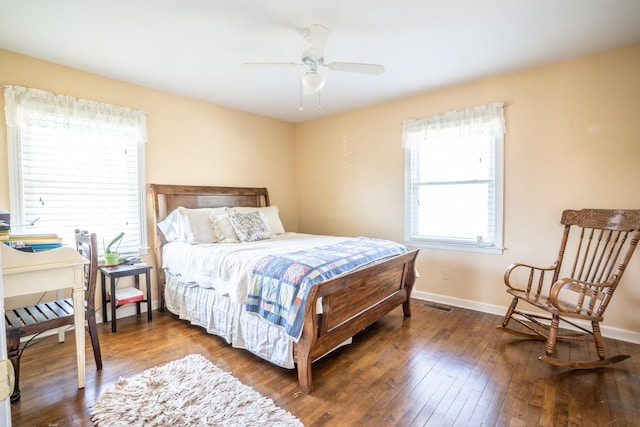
35 247
4 230
34 236
5 217
32 239
127 295
28 242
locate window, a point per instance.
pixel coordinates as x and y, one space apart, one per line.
76 163
454 179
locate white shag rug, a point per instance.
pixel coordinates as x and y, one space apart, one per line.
188 392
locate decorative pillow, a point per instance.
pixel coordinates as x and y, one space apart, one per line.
171 227
222 228
249 226
197 226
269 216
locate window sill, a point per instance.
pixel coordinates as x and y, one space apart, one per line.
455 247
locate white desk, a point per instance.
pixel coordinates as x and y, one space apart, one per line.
26 273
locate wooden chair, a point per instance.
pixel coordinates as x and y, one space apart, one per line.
597 245
38 318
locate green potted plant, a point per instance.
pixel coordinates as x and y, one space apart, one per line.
112 256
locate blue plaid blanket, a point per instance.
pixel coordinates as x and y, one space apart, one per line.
279 285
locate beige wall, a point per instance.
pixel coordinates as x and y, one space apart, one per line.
573 141
190 142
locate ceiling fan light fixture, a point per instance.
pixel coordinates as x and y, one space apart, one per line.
312 82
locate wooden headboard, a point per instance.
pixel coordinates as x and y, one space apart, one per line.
166 198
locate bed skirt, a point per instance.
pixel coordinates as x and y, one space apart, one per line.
214 312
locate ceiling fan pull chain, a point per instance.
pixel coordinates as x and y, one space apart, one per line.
319 103
300 105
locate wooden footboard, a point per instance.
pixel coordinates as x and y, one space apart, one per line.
350 303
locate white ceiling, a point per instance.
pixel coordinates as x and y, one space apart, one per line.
195 47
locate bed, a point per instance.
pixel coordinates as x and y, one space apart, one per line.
332 310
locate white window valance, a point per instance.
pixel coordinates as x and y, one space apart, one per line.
480 120
35 107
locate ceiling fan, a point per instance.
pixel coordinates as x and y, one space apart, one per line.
312 82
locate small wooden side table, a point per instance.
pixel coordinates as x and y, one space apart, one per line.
124 271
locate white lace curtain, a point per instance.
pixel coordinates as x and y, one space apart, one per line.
35 107
480 120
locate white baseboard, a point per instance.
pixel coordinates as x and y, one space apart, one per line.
609 332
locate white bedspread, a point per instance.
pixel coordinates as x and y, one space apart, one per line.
226 266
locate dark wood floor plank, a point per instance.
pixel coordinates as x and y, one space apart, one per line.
486 410
436 368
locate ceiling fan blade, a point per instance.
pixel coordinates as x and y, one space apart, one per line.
317 37
356 67
269 64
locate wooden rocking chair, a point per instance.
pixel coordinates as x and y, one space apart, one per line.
602 242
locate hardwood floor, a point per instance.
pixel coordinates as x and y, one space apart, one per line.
438 368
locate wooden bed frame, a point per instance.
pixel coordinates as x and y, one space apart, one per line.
350 302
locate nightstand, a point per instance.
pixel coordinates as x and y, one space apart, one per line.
119 297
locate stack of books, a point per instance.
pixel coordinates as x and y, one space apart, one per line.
33 242
5 225
4 231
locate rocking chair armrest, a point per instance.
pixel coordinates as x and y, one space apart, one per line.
573 285
513 267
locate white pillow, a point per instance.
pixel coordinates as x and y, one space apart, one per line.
222 228
197 226
171 227
249 226
269 216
